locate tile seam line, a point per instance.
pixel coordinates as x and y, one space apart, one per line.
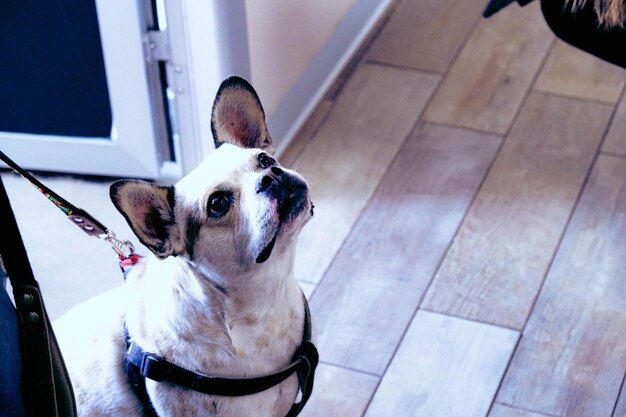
567 224
527 410
621 390
617 106
443 256
480 187
449 65
371 61
347 368
505 372
531 85
358 59
455 235
378 185
419 120
470 320
471 203
504 136
449 125
414 126
612 155
573 97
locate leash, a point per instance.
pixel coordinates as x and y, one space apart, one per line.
79 217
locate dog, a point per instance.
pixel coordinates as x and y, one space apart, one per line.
217 295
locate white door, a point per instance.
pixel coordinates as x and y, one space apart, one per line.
130 141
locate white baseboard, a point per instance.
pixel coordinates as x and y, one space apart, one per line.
326 66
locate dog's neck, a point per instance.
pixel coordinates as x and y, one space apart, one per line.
231 315
252 290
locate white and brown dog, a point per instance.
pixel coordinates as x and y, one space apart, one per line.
218 295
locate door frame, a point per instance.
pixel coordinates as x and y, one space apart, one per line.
206 41
131 149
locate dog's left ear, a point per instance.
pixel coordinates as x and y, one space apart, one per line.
149 210
238 117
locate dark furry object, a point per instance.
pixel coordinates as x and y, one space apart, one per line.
611 13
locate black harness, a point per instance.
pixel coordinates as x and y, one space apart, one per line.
140 365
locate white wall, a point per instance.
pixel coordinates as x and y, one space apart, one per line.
210 43
304 54
296 50
283 37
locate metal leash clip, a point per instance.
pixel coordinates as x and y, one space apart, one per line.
123 248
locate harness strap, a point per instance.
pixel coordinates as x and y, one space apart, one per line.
309 352
137 380
140 364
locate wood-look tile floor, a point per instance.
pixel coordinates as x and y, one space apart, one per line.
468 254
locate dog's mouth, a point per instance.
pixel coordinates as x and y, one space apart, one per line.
290 206
293 205
267 251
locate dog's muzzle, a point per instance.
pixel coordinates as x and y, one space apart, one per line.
291 195
288 190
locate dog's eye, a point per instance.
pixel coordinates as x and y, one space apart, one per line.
265 160
219 203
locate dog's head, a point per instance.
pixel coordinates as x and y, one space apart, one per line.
237 209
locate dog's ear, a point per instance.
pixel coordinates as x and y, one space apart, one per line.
238 117
149 210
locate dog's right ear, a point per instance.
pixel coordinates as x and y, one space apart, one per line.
238 117
149 210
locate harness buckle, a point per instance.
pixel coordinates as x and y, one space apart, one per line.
153 367
309 358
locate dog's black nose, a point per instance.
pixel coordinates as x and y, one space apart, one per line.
270 176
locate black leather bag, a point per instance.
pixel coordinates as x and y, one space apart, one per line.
46 386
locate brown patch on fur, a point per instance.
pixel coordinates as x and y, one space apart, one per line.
262 342
250 320
238 303
167 353
186 336
610 13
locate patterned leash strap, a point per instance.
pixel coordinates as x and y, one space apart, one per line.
85 221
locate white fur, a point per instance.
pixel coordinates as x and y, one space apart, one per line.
216 312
